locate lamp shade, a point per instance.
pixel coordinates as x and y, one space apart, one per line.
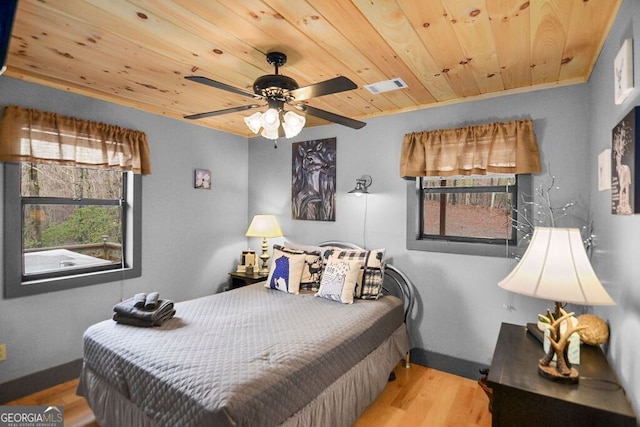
359 189
555 267
270 119
292 124
264 226
362 185
253 122
270 133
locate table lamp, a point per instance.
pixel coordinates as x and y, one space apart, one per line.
264 226
555 267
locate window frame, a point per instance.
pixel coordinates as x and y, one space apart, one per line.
458 245
15 284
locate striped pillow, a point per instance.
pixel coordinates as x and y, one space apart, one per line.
371 277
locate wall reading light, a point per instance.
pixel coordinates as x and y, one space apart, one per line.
362 184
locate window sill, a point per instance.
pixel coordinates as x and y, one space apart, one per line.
460 248
33 287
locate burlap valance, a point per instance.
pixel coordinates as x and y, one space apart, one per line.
28 135
507 147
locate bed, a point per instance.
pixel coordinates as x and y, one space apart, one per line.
250 357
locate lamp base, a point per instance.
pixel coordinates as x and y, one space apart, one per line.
549 372
264 256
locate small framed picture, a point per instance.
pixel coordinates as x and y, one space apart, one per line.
623 69
604 170
202 179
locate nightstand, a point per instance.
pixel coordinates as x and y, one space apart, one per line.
522 397
240 279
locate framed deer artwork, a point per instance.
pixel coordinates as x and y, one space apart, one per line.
313 180
625 165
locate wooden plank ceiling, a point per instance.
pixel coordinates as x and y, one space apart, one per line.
137 52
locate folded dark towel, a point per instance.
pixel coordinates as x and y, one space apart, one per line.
134 321
151 302
127 308
139 300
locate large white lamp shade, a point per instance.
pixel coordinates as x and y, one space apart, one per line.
555 267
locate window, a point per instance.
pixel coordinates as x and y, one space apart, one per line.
72 219
472 214
468 209
72 201
68 226
469 215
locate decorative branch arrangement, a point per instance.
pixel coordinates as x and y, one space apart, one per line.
537 211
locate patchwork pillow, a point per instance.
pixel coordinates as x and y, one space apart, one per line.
339 280
324 251
371 277
305 248
286 271
312 269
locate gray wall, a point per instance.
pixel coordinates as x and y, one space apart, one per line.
190 238
460 306
618 237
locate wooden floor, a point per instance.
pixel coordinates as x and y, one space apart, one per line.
418 397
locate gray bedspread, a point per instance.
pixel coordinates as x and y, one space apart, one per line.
249 357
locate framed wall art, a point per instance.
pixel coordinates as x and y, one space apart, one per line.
313 180
202 179
623 71
604 170
625 185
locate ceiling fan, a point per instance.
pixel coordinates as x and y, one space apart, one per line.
278 90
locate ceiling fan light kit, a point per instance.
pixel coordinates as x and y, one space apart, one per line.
278 89
270 121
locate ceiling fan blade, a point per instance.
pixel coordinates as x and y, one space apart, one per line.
223 86
219 112
336 118
327 87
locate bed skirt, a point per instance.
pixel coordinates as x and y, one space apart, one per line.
340 404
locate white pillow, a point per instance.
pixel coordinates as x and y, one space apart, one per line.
312 269
339 280
371 277
286 271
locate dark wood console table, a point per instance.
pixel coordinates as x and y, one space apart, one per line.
521 397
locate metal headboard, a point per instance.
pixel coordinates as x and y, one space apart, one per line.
396 283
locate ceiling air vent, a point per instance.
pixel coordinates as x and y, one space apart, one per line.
386 86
